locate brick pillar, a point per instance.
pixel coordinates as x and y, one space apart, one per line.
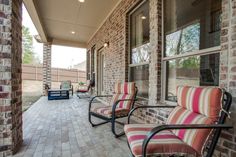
10 77
227 143
47 65
155 54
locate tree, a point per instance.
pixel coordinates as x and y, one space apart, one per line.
29 56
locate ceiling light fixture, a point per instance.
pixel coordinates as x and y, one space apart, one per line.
143 17
106 44
82 1
72 32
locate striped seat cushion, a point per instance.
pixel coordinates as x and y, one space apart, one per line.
125 88
107 111
194 138
123 91
122 104
164 142
196 105
203 100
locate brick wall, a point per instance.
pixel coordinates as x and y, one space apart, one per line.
10 77
115 31
227 143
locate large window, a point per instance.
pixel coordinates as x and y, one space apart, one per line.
139 48
192 37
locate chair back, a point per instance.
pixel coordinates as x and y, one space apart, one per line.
196 105
126 90
65 84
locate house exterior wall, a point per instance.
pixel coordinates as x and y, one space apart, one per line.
115 30
10 77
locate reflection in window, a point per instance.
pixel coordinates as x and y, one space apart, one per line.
140 54
140 75
193 71
190 26
184 40
139 48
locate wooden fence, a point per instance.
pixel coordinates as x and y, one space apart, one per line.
31 72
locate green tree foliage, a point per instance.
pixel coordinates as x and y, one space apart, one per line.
29 56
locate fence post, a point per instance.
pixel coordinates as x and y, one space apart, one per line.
36 72
57 75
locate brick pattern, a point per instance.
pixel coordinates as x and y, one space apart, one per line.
155 56
227 144
10 77
47 65
115 31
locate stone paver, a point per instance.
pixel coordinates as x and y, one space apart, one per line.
60 128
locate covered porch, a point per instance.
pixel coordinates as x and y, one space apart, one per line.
158 44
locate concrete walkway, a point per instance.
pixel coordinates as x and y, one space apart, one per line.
60 128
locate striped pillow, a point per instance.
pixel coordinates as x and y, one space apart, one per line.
196 105
194 138
125 88
122 104
203 100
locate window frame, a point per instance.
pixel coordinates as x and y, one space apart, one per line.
164 59
130 64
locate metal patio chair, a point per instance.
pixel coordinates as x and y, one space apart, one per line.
84 90
192 128
121 103
67 85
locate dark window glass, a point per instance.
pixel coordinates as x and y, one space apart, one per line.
191 25
139 28
140 75
194 71
139 48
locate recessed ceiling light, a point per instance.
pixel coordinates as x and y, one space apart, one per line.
143 17
82 1
72 32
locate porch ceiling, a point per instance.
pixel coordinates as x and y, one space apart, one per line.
56 19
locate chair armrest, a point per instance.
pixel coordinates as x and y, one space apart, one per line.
93 98
138 107
157 129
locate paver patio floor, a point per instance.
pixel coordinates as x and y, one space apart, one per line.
60 128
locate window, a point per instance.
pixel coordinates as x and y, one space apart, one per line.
191 34
139 48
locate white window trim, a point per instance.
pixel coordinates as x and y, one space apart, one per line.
207 51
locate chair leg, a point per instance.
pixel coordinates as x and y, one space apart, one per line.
97 124
113 128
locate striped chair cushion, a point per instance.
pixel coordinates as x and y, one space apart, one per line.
122 104
203 100
107 111
164 142
125 88
182 116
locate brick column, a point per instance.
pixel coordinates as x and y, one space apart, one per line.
155 54
47 64
227 143
10 77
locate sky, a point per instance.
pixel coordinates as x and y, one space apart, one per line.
60 57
